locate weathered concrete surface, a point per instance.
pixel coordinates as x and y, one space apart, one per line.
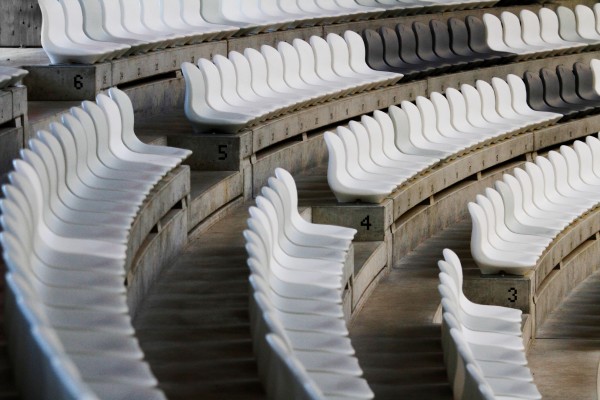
84 82
212 190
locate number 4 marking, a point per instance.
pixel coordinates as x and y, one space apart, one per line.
366 223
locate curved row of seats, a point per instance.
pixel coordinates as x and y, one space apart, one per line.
230 94
11 76
297 276
513 224
420 49
66 219
92 31
550 32
483 348
566 90
369 160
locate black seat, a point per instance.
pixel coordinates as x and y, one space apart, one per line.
408 48
535 94
459 40
552 92
441 43
585 82
425 51
374 51
391 53
568 89
477 43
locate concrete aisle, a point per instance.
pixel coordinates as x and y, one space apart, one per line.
396 341
194 327
564 358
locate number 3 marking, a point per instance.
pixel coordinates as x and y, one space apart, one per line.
513 293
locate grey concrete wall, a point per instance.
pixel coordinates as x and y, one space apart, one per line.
21 23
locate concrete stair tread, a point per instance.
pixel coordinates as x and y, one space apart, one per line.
197 342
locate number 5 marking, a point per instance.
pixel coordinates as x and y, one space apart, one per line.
222 152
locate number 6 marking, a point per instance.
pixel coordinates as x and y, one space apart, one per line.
78 82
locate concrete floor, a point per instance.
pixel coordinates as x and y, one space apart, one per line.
565 355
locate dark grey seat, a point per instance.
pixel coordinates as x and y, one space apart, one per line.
585 82
552 92
535 95
459 40
568 90
441 44
408 48
384 55
477 43
424 39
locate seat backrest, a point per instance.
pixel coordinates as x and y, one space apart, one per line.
92 19
374 49
428 115
88 130
479 244
494 34
275 69
567 24
567 82
73 19
401 128
415 122
512 30
289 377
195 92
391 47
549 25
552 87
408 44
530 25
441 38
424 40
336 167
387 129
323 58
366 154
535 91
586 22
374 135
291 63
306 56
172 13
152 14
459 37
125 106
488 99
443 113
53 33
259 71
351 152
357 51
131 14
477 35
340 54
584 80
111 16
